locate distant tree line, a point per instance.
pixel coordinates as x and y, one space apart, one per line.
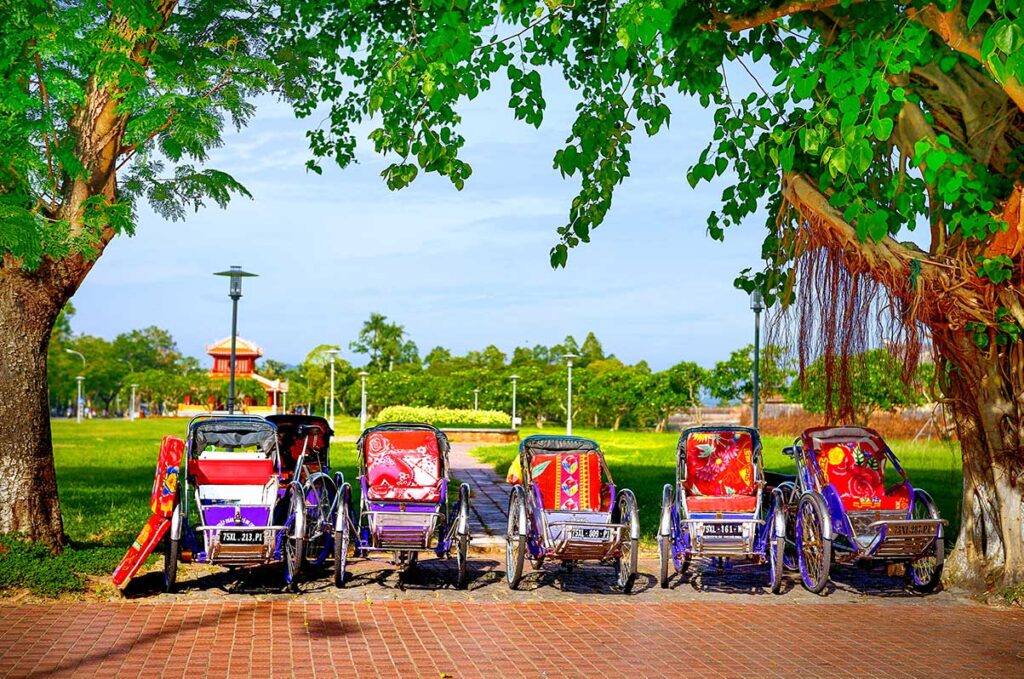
606 391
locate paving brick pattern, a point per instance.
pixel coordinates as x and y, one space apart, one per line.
444 639
489 500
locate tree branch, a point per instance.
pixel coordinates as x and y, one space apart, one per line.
767 15
952 28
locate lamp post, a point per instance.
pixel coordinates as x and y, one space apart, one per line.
362 400
333 353
568 410
236 275
757 305
135 405
514 378
476 399
78 403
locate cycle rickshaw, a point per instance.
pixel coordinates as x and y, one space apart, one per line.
717 508
568 509
405 506
844 512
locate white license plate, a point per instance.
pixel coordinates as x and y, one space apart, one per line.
596 534
723 529
241 537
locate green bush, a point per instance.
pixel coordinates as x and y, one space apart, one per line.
445 417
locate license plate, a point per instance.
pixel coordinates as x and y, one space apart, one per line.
599 534
241 537
897 529
723 529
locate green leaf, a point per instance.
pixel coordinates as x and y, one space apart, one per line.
786 157
978 8
882 128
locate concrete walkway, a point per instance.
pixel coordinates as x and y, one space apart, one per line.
489 498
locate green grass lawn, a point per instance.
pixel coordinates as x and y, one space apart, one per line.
104 476
645 462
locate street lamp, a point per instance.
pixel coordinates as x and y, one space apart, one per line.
78 403
757 305
236 275
568 410
514 378
362 400
333 354
135 405
476 399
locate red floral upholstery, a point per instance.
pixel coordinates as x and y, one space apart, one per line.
721 503
568 481
857 472
719 464
403 466
231 472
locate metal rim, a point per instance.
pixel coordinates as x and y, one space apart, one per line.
515 544
171 564
926 572
293 547
776 545
813 551
318 516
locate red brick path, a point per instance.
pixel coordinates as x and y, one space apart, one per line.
434 639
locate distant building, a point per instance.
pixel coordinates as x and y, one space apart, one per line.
246 353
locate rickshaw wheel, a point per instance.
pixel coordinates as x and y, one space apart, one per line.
293 548
626 564
515 541
664 548
462 556
171 549
814 552
925 572
775 545
340 556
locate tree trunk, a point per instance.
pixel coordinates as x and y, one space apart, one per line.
981 393
29 304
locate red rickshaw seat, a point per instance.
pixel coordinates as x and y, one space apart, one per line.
403 466
568 481
721 503
856 470
242 472
720 467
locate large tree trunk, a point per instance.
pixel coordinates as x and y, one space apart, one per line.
983 394
29 304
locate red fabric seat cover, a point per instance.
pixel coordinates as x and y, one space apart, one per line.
721 503
568 481
231 472
857 472
719 464
403 466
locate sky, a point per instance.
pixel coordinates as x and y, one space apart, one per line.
461 269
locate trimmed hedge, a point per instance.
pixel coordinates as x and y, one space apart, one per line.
446 417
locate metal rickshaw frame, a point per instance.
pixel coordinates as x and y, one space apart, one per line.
826 532
530 532
681 535
447 523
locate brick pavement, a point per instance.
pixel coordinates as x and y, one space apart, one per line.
489 501
550 639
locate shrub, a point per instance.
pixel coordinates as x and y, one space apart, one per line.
445 417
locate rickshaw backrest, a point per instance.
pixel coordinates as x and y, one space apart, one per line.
403 466
720 463
856 470
569 481
225 472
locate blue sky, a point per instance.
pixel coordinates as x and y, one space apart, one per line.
458 269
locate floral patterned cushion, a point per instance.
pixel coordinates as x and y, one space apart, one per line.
719 463
568 481
857 472
403 466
